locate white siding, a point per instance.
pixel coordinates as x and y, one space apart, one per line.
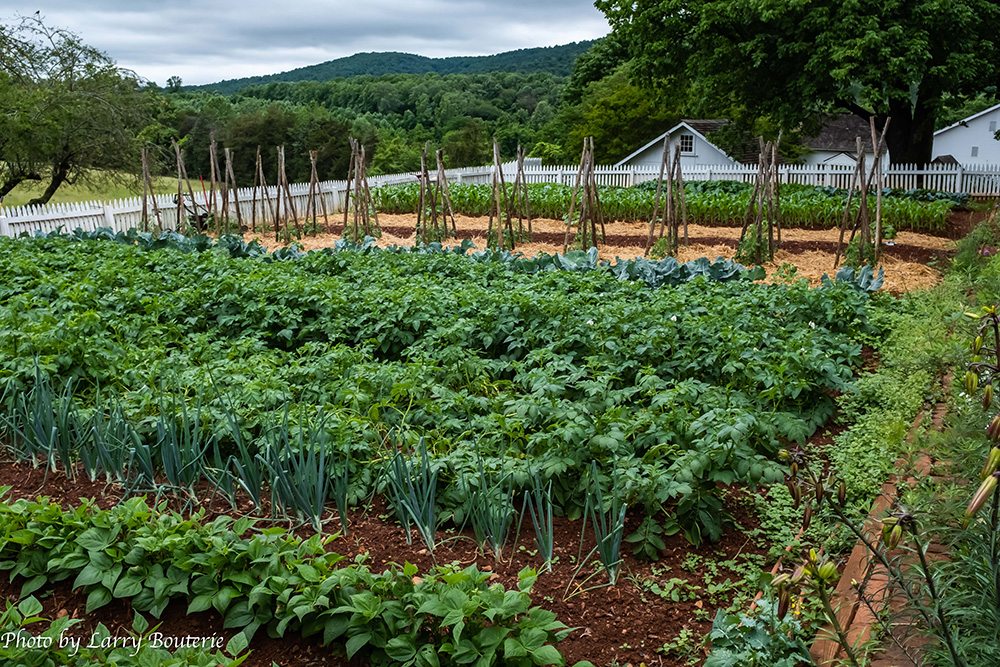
827 157
704 152
958 141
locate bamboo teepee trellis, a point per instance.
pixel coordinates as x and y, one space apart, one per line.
869 249
674 209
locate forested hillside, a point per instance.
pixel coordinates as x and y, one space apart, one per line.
556 60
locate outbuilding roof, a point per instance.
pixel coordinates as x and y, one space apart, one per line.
840 133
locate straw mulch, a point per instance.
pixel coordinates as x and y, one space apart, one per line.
900 276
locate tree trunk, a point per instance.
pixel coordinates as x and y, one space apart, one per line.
15 181
911 133
59 174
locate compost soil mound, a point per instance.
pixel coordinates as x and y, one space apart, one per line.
625 623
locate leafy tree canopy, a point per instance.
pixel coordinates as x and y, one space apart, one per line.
71 109
792 60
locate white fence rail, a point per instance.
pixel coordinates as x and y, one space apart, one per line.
120 215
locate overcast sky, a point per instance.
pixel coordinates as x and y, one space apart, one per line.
203 41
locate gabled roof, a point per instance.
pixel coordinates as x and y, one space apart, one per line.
839 133
698 127
965 121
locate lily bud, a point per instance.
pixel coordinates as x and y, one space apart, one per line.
796 495
977 345
971 382
842 493
828 572
993 430
972 316
780 580
794 469
992 463
988 396
799 572
783 601
985 491
895 535
807 517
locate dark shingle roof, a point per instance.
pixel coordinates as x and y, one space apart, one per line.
840 133
748 152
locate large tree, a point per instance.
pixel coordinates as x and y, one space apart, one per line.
790 59
76 111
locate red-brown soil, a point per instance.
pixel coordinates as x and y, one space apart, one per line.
626 623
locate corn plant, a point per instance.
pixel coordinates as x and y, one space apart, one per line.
539 504
411 488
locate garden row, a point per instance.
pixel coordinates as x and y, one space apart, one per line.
710 203
261 580
206 367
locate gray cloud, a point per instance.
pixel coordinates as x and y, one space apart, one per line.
209 40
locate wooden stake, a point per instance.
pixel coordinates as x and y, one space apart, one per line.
231 186
145 191
659 192
572 200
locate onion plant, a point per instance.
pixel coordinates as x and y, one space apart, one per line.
46 424
412 486
609 526
112 439
491 511
181 447
539 504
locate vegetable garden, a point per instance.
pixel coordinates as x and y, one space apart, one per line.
481 395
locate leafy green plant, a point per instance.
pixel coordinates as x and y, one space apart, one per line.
274 579
762 639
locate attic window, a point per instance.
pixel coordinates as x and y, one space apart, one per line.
975 151
687 143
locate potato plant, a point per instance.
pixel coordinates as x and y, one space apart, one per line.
526 367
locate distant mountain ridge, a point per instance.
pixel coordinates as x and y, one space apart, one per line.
554 59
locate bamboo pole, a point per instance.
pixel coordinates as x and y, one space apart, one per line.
149 185
350 166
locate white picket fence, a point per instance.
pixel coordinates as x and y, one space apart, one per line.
120 215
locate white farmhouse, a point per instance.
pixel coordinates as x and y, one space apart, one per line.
970 141
696 149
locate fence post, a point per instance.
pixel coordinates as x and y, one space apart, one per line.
560 176
631 176
109 217
960 179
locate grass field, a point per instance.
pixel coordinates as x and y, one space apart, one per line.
99 189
